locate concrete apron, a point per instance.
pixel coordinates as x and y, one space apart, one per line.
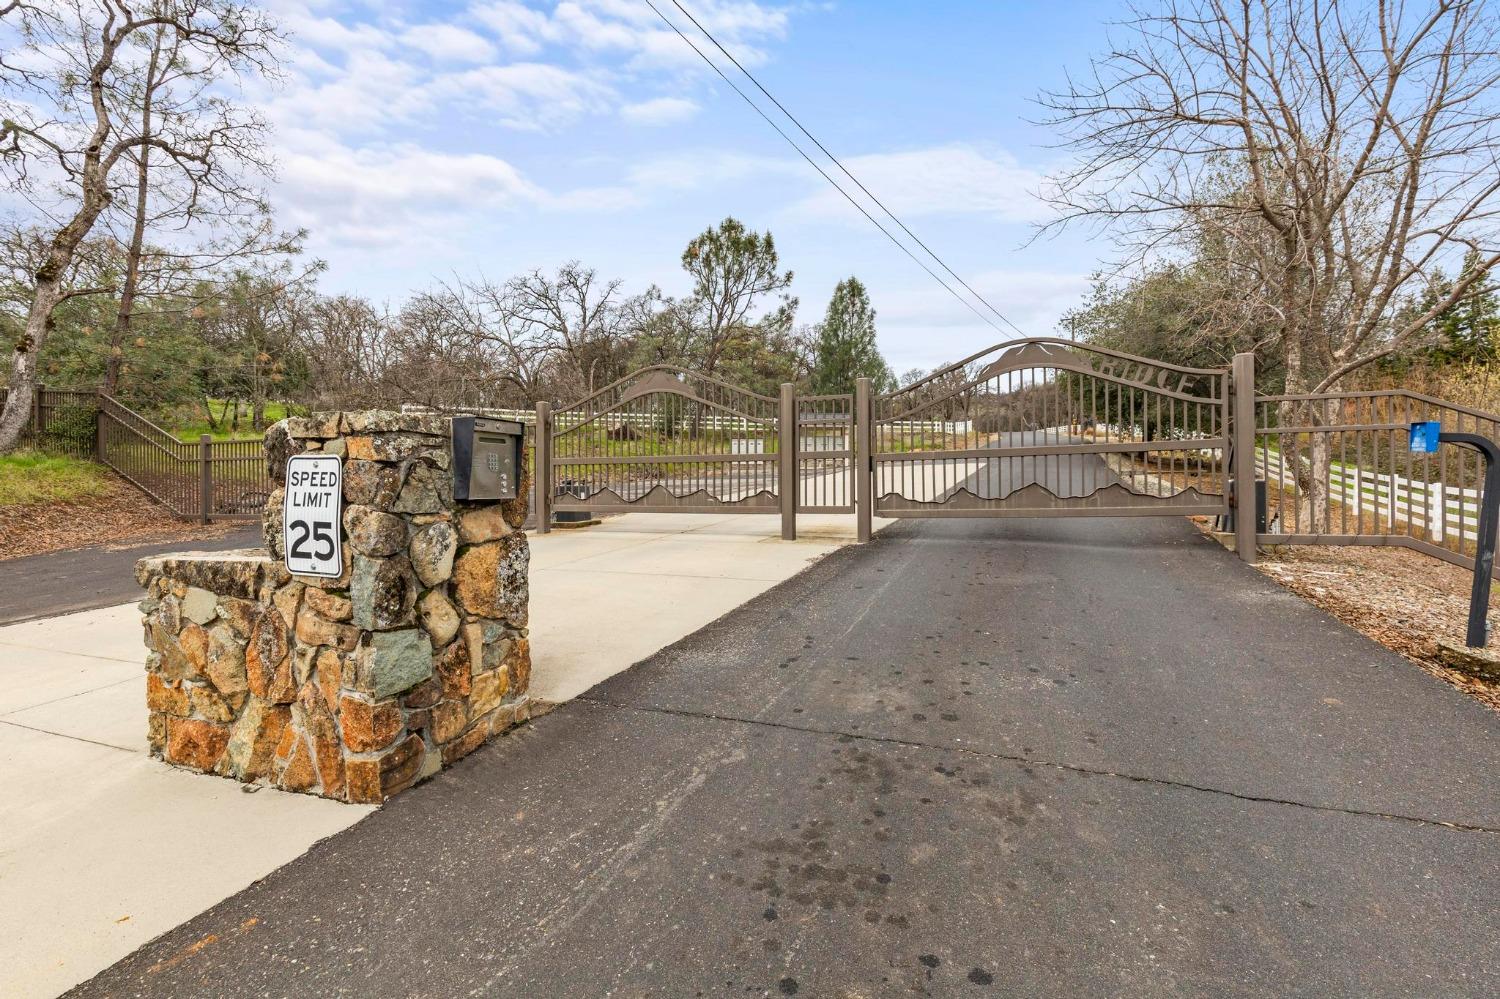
103 848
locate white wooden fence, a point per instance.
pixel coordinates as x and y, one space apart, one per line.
1436 508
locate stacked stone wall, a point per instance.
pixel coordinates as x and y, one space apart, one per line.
354 687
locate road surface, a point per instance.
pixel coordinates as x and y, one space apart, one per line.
988 758
97 576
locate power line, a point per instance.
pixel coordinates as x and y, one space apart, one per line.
812 163
824 149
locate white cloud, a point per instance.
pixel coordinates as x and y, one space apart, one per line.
528 95
932 328
948 180
695 169
629 28
369 92
448 43
519 28
660 111
384 195
392 121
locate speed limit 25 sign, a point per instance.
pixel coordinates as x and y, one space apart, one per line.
312 514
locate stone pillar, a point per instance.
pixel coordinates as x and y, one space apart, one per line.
357 687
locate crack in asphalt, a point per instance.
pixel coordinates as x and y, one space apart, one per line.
1033 761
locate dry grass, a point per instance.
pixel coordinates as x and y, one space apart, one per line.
1473 384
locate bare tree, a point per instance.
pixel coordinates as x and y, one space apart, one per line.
578 316
70 119
165 203
351 341
479 320
1338 155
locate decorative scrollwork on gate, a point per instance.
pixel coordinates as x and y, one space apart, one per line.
1046 426
667 439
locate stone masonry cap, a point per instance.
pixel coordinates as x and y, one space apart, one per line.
232 573
326 426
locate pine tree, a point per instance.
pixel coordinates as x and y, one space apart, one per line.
1469 330
846 343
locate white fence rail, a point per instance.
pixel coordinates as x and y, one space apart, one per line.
1434 507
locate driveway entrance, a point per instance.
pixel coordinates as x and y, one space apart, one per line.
1032 428
975 757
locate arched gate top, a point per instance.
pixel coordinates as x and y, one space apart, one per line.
672 380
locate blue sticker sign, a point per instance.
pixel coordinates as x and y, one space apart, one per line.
1424 437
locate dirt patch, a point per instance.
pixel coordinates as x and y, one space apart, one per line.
121 516
1402 599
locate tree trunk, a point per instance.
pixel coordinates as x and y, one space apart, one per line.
49 291
23 363
121 332
1315 493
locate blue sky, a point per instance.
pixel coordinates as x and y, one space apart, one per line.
419 141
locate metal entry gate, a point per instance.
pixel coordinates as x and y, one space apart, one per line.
1049 428
1033 428
667 440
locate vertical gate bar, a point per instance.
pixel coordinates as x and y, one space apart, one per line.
1443 491
864 459
541 460
1343 477
1359 478
789 485
1244 456
1427 485
205 478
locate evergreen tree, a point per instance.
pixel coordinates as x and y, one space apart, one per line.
846 344
1469 329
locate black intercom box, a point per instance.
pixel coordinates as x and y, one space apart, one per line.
487 458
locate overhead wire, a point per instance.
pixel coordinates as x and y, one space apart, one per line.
845 170
814 164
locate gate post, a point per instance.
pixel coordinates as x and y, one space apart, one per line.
786 476
863 439
541 460
205 478
38 414
1242 446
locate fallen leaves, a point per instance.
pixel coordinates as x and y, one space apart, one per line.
121 514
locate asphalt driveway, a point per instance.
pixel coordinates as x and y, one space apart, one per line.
1070 758
64 582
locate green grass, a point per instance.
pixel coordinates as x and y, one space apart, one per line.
191 430
34 477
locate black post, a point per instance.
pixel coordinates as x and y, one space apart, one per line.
1489 518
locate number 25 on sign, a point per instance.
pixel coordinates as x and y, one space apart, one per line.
311 515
